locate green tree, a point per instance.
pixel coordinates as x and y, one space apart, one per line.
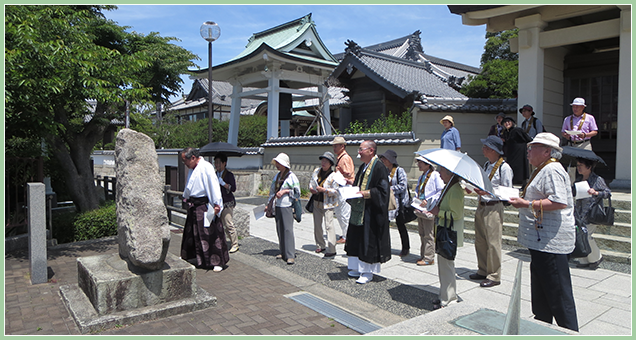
499 69
59 57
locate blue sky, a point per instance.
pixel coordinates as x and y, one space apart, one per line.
443 34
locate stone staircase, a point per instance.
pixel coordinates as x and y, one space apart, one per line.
614 241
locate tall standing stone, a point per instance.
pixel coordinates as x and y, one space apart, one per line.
142 220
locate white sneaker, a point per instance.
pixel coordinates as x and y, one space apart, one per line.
364 278
234 249
217 268
353 273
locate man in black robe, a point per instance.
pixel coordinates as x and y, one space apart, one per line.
368 242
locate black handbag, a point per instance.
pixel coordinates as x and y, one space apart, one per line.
446 240
599 214
408 211
581 243
269 210
310 204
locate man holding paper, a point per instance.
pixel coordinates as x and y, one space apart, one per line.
489 215
368 243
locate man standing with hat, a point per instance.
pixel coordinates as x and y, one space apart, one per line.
344 165
489 215
531 125
450 136
497 129
581 125
546 228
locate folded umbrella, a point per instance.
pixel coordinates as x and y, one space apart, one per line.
461 165
228 149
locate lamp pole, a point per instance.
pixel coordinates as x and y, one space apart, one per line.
210 31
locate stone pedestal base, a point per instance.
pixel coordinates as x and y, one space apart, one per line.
110 292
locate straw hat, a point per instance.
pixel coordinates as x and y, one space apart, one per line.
547 139
448 118
339 140
282 159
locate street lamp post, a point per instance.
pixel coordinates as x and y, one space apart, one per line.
210 31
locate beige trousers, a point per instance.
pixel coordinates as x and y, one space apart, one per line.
447 280
228 225
488 234
426 229
320 213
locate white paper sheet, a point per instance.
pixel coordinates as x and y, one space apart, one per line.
573 132
415 203
505 193
209 216
221 182
581 190
259 212
349 192
338 178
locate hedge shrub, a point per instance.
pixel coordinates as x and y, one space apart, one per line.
96 223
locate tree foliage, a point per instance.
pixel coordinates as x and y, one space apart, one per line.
499 69
59 57
391 123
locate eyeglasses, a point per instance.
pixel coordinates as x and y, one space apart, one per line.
362 149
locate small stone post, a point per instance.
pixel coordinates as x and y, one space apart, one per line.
37 232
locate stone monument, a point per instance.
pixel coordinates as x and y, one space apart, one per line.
143 281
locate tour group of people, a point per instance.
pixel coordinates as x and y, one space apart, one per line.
526 156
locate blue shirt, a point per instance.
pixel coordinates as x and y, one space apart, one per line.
450 139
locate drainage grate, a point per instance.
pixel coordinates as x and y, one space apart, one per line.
332 311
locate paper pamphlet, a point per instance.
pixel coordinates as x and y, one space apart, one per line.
221 182
505 193
338 178
349 192
573 132
581 190
415 203
259 212
209 216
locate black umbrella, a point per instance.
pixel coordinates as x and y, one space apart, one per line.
574 152
228 149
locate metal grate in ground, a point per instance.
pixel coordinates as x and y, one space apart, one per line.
332 311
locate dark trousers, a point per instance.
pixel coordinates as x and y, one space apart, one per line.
206 244
551 287
404 234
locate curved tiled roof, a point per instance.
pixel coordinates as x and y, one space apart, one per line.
467 105
394 138
400 76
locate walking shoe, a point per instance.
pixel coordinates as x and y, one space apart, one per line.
330 254
234 249
279 256
319 250
489 283
353 273
595 265
365 278
404 252
217 268
291 261
476 277
425 262
341 240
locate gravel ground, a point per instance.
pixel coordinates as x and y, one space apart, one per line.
397 298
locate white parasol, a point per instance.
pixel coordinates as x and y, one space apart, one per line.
461 165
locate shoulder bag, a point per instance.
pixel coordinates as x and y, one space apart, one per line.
408 211
581 243
599 214
446 240
269 210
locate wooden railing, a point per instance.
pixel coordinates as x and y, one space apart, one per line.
109 184
168 199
